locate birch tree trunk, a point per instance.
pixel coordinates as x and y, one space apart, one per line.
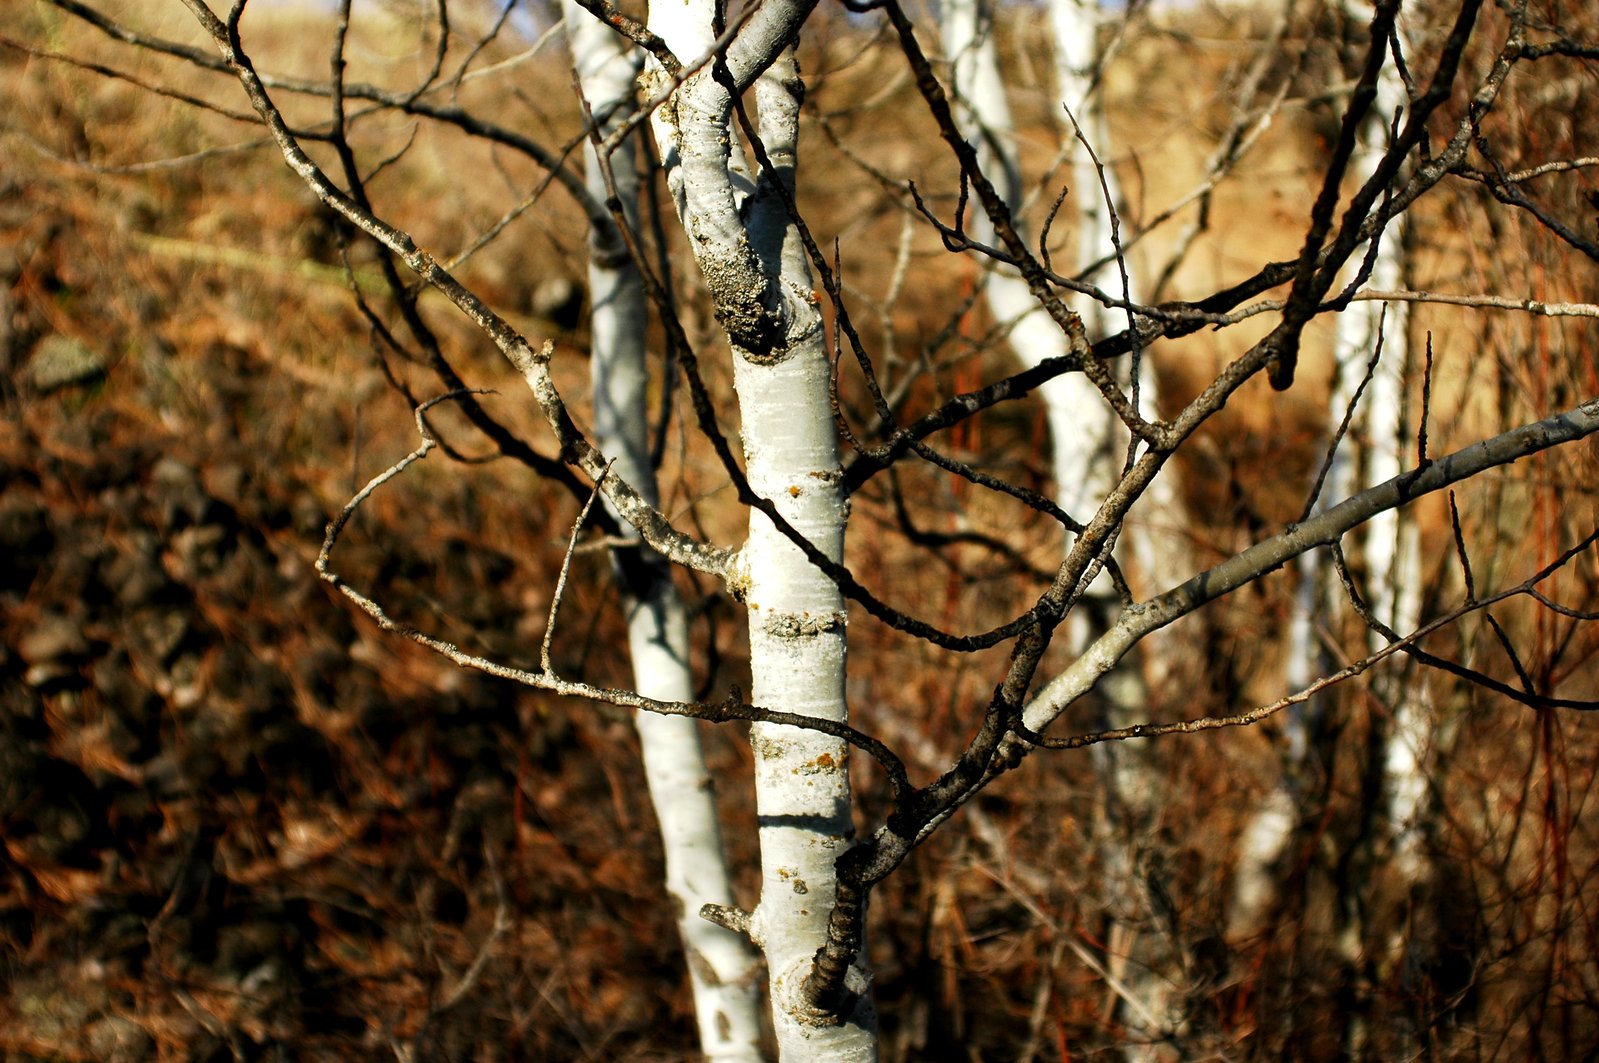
1380 433
1131 788
1392 550
749 255
1083 429
722 967
1089 445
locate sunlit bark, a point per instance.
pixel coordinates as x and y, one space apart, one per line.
760 289
722 967
1087 439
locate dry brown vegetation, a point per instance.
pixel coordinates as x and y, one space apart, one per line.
240 823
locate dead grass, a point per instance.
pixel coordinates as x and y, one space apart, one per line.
238 821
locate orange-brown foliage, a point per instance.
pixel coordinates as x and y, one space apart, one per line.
239 821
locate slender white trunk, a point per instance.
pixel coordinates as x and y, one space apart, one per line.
1393 563
1392 552
1088 442
1256 888
1392 544
723 969
1373 452
1156 532
1083 428
1132 789
1074 26
760 289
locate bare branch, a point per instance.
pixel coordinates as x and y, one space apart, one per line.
566 568
1266 556
730 709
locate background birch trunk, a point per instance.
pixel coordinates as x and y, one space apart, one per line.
1372 362
1089 446
722 967
1141 941
1403 720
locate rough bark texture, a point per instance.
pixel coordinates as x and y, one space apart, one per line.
760 289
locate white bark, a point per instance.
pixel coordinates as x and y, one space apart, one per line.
1371 454
723 969
1255 887
760 288
1074 26
1083 429
1392 551
1088 440
1155 534
1132 787
1393 545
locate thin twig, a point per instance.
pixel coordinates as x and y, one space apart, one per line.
724 711
1343 425
566 565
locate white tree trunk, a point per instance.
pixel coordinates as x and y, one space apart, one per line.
1373 452
1133 789
723 968
1156 531
1083 428
1088 441
1392 545
760 288
1074 28
1392 551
